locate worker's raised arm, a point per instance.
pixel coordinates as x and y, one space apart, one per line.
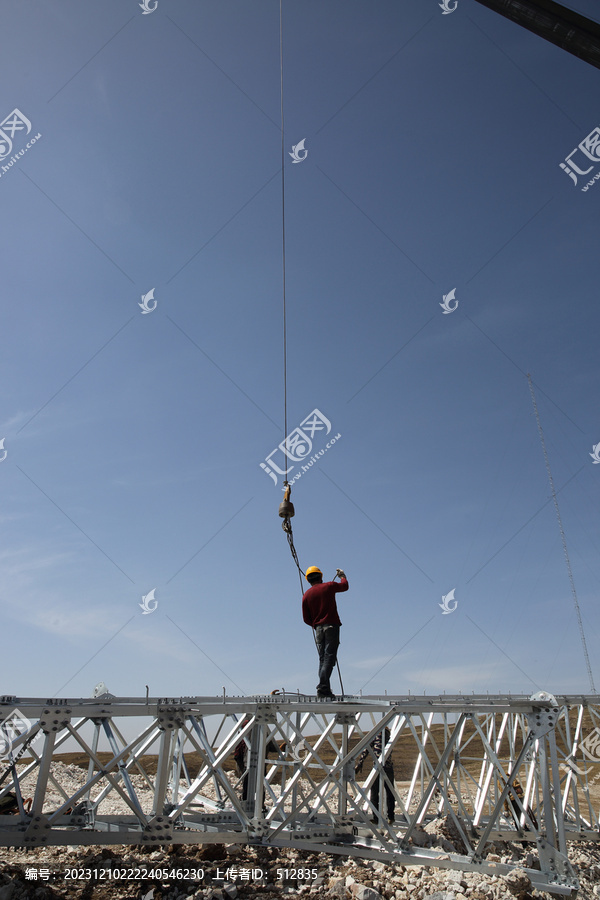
343 585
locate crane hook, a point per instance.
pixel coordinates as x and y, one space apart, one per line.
286 508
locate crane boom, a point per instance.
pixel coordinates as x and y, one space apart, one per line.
554 22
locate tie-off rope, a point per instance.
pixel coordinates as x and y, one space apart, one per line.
563 539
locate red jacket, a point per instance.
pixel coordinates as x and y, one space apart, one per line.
318 603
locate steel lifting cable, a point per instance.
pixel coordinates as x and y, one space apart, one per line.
286 508
290 538
286 511
283 223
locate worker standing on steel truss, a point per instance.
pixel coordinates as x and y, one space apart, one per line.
319 610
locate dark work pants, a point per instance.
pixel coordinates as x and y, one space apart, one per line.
328 641
389 797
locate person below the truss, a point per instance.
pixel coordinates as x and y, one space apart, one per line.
517 810
240 755
388 771
319 610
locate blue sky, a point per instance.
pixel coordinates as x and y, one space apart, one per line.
134 441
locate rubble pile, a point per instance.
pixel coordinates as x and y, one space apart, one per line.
237 872
241 872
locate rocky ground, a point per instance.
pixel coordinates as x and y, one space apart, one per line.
219 872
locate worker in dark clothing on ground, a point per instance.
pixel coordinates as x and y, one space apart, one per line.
319 610
240 755
388 768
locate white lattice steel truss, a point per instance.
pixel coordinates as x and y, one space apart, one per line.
496 768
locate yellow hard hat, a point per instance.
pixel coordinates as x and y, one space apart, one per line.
313 570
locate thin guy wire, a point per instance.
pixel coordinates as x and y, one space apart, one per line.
283 227
564 542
